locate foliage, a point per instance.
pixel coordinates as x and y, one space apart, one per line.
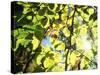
53 37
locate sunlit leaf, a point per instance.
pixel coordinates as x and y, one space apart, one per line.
29 17
91 10
83 30
84 63
58 68
23 42
57 57
35 42
48 62
15 33
66 32
39 58
73 58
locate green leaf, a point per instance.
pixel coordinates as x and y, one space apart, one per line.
93 16
58 7
23 42
20 2
22 33
51 6
44 21
26 10
15 33
49 12
85 11
42 11
29 17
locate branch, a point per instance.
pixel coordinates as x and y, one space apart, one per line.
71 34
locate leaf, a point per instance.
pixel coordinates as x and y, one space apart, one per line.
20 2
56 16
69 22
83 30
39 32
71 13
49 12
86 17
66 32
84 64
59 68
36 29
57 57
48 62
44 21
15 33
29 17
89 54
22 33
73 59
58 7
90 10
23 42
35 43
63 16
39 58
58 45
85 11
42 11
61 46
94 31
26 10
73 41
51 6
93 16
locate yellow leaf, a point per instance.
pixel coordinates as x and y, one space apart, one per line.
35 42
73 40
48 62
86 16
65 9
79 43
39 58
94 31
63 16
57 57
89 54
83 63
66 32
83 31
91 10
61 46
59 68
69 22
73 59
46 49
